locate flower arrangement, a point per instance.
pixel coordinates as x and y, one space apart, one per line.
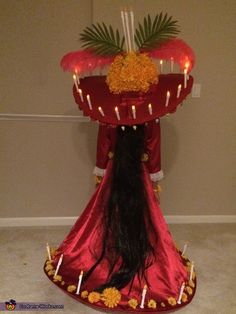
132 72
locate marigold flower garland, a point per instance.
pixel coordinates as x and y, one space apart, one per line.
132 72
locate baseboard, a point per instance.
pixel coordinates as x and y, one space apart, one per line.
69 221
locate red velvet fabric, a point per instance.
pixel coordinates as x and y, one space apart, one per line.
100 96
82 247
106 143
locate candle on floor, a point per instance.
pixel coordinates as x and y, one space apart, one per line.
76 83
58 265
81 95
184 249
49 253
134 112
191 271
143 296
179 90
181 293
167 98
150 109
101 111
79 282
89 102
117 113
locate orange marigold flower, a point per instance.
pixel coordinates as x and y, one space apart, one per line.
152 304
49 267
51 272
71 288
111 297
189 290
84 294
94 297
172 301
184 297
133 303
132 72
53 252
57 278
191 283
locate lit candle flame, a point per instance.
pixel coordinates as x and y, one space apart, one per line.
101 111
117 113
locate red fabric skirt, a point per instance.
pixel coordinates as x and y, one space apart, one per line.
82 247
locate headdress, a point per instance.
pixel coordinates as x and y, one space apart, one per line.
136 88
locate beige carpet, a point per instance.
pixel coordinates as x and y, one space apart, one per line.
212 248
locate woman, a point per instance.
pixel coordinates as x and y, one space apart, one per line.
121 241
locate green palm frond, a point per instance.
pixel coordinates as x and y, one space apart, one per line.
152 33
102 40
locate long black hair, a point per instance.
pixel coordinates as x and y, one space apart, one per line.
126 217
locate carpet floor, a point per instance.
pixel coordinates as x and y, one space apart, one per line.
211 246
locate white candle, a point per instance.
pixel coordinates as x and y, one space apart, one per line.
127 30
58 265
185 78
161 66
123 128
157 120
150 109
179 90
101 111
181 293
134 127
132 28
117 113
191 271
171 65
77 76
49 253
134 112
184 249
89 102
143 297
79 282
76 83
81 95
167 98
124 29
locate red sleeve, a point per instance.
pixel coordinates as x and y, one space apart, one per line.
103 148
153 149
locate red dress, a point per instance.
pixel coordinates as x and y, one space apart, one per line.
82 246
